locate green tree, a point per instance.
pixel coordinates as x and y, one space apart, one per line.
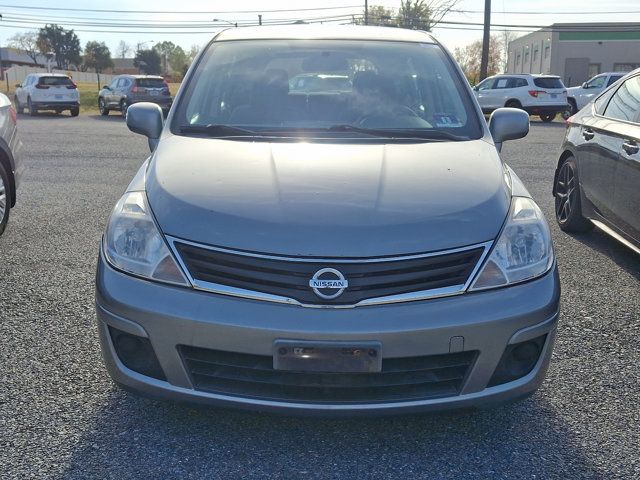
97 56
379 16
63 43
28 43
178 60
148 61
165 49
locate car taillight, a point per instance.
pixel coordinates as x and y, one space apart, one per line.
13 114
42 87
135 89
535 93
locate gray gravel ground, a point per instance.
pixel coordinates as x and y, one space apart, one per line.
60 416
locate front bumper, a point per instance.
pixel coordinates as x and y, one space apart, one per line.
170 316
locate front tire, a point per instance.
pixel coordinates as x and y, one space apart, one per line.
547 117
33 111
513 104
568 205
19 107
572 109
104 111
5 199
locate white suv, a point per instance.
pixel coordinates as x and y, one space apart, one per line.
47 91
578 97
543 95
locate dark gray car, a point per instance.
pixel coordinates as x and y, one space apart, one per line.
11 166
125 90
342 250
597 181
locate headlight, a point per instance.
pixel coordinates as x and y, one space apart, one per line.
522 252
132 242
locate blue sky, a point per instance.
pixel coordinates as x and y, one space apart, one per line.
579 10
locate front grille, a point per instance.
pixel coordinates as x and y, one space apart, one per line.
367 279
253 376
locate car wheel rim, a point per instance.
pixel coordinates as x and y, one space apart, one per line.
101 105
3 199
124 109
565 193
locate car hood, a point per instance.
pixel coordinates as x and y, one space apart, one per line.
328 200
574 90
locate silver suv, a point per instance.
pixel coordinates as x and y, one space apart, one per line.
333 250
125 90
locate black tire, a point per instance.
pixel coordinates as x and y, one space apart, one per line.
548 117
19 108
124 107
32 110
572 109
5 199
568 207
513 104
104 111
75 111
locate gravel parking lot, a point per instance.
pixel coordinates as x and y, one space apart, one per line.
61 417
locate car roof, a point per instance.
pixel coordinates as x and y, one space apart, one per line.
140 76
534 75
324 32
45 74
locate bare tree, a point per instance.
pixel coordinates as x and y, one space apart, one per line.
28 43
123 49
424 14
469 58
506 37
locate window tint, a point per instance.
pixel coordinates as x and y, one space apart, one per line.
613 78
150 82
502 83
54 81
625 103
548 82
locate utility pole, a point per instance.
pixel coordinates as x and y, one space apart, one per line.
259 19
484 62
366 12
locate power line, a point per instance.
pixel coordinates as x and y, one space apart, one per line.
550 13
182 12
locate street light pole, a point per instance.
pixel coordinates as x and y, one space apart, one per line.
484 62
235 24
260 20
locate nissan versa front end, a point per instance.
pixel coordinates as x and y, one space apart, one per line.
358 247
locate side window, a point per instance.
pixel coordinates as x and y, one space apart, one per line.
625 103
613 78
597 82
502 83
521 82
486 84
121 82
113 83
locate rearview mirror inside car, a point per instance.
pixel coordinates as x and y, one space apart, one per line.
508 124
146 119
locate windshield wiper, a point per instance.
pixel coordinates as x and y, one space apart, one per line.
218 130
423 133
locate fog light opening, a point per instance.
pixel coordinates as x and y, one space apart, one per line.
518 360
136 353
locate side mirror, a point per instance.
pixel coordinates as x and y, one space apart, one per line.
508 124
584 85
146 119
476 88
106 87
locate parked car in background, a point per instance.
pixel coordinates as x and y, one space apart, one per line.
125 90
543 95
47 91
348 250
597 181
578 97
10 160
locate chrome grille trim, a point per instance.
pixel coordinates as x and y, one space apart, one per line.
254 295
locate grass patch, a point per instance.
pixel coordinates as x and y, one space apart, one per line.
88 95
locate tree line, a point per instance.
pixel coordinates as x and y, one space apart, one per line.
63 47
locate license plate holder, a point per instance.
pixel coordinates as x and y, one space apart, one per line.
554 95
58 96
327 357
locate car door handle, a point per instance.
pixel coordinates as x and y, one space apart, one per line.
630 147
588 134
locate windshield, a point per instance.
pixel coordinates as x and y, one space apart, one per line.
326 87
